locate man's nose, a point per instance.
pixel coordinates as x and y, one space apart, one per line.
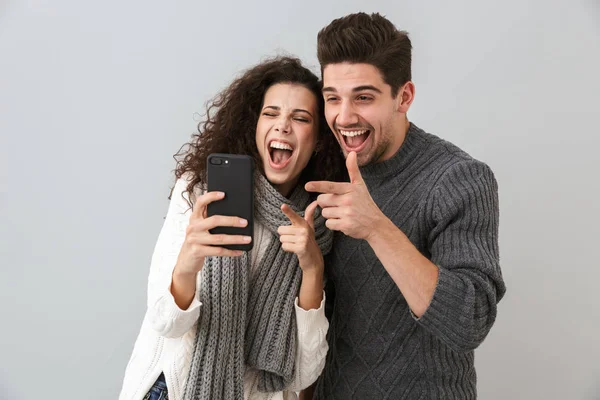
347 115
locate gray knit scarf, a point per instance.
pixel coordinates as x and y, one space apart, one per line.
249 319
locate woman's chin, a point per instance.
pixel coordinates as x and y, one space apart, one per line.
276 177
282 181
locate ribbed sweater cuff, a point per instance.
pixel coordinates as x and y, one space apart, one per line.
173 311
446 304
311 321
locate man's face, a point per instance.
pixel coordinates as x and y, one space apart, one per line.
361 111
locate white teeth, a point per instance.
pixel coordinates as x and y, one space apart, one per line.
280 145
353 133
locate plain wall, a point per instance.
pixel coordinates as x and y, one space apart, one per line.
96 97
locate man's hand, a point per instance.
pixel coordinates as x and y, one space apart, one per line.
348 207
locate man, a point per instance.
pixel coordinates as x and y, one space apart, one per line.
415 266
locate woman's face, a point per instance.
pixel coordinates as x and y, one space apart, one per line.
286 133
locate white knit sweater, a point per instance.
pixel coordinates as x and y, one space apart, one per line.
166 339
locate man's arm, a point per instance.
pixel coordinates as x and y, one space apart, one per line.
455 294
464 244
350 209
413 273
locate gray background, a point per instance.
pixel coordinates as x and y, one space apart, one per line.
95 97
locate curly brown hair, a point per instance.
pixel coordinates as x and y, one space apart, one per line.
230 122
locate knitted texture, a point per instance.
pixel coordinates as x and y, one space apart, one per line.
249 319
446 203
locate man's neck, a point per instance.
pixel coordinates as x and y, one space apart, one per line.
400 131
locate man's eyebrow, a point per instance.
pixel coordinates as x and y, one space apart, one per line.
356 89
366 87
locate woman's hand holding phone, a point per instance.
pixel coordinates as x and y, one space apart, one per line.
200 243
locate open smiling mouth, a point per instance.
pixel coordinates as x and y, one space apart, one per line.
355 140
280 154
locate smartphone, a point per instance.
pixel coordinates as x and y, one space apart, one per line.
232 174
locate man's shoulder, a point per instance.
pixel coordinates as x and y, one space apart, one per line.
443 155
440 147
445 164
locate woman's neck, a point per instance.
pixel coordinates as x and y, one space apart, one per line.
286 188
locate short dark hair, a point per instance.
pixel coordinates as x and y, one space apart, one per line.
369 39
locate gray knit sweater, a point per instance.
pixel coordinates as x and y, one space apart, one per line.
446 202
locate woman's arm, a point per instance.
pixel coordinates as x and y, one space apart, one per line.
312 324
184 243
165 316
312 345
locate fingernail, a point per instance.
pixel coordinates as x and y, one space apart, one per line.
247 239
238 253
243 222
220 194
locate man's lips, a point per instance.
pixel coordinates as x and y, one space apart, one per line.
354 139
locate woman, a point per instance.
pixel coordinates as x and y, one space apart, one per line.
224 324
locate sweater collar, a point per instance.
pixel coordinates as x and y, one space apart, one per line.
414 143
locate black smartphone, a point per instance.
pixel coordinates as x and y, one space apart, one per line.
232 174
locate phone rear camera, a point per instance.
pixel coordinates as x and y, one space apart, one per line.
216 161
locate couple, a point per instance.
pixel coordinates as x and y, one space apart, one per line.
408 224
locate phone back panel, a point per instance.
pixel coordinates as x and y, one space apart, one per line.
234 175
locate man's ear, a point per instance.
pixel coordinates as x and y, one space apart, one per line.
405 96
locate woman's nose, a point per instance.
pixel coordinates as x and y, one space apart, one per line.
282 126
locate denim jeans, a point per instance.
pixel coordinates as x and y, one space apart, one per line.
159 390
